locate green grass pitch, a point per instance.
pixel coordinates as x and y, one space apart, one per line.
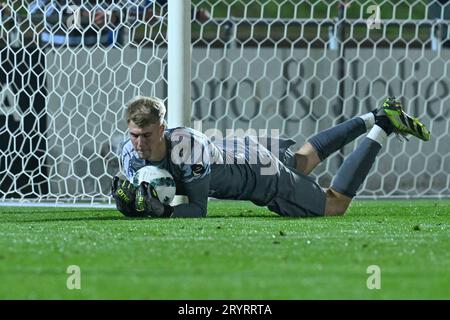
239 251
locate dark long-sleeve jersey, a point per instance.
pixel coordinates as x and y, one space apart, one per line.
241 168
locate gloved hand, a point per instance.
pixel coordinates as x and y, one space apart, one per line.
148 204
124 193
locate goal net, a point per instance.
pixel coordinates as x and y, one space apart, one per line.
293 66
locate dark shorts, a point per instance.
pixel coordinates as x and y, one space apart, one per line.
297 194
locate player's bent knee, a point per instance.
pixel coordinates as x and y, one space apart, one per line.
336 203
306 159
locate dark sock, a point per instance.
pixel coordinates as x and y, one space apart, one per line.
333 139
383 121
355 168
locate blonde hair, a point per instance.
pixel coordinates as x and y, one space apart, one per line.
146 110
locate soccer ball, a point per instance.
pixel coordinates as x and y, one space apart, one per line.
160 179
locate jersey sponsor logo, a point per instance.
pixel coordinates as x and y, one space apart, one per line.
198 169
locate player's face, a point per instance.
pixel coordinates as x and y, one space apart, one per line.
148 141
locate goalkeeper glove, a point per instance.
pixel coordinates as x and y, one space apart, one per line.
124 193
148 204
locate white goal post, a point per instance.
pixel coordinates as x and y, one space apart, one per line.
295 66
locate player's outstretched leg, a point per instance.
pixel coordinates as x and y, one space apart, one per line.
323 144
356 167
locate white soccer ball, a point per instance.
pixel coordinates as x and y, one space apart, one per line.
160 179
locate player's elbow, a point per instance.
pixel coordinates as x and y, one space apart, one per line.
203 211
190 210
200 211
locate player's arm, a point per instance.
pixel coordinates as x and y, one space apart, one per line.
197 193
148 204
194 179
195 173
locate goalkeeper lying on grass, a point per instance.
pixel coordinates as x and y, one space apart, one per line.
245 169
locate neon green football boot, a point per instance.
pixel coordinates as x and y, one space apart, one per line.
402 123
